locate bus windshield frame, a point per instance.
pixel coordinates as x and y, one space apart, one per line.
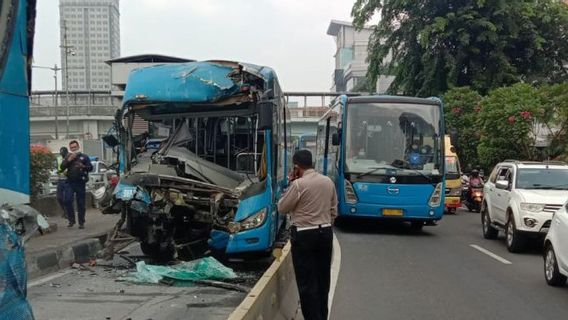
394 139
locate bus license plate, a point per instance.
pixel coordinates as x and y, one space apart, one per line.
392 212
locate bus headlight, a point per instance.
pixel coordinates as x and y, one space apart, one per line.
350 196
254 221
436 197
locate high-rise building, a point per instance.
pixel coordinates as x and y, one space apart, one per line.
90 35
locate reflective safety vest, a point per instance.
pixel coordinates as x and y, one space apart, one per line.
62 173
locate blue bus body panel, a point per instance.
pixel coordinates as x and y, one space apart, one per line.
374 197
193 82
262 237
412 194
14 117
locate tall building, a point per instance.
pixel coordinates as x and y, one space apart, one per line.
351 57
90 35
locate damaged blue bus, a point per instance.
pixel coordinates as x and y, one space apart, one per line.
215 180
16 43
386 156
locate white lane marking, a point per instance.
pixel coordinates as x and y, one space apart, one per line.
49 278
491 254
335 266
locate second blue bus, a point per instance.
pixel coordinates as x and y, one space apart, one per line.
386 156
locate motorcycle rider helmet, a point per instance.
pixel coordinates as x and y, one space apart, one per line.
475 173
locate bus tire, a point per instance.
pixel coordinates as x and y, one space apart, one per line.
416 225
157 252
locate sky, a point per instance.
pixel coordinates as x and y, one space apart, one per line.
287 35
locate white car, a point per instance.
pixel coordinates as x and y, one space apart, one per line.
520 199
556 249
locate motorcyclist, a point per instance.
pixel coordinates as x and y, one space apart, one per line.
475 180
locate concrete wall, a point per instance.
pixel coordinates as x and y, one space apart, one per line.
275 295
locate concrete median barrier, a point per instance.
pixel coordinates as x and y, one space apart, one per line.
275 295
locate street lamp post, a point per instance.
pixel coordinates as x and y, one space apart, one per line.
67 50
55 95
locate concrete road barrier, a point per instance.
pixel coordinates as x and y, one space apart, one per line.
275 295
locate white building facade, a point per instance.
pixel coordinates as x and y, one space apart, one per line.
351 57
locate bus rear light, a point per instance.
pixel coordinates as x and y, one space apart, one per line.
350 196
436 197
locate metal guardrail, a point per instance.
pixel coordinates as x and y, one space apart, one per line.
73 111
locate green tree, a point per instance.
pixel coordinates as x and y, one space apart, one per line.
509 122
433 45
461 108
554 114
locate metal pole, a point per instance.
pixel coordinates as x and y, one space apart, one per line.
55 69
66 76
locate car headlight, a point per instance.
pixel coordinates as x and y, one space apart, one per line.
436 197
532 207
455 192
254 221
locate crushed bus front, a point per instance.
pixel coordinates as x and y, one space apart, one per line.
213 182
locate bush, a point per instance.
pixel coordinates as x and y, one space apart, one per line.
42 161
461 108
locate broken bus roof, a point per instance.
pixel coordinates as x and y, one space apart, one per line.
167 88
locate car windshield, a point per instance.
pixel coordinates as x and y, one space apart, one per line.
546 179
389 138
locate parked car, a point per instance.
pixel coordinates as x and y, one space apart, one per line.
520 199
556 249
153 144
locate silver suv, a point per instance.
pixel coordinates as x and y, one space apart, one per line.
520 199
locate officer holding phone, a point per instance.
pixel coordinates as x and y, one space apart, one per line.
311 201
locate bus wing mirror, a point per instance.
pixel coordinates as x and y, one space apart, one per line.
265 115
111 140
335 139
454 138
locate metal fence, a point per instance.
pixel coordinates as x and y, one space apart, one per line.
73 111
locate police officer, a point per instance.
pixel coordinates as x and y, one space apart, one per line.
78 166
311 202
62 180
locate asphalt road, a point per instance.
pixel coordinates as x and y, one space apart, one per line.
390 272
96 294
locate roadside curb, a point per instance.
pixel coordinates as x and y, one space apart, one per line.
51 260
275 295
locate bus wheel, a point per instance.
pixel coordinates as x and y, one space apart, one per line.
416 225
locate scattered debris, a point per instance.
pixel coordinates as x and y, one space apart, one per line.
128 259
202 271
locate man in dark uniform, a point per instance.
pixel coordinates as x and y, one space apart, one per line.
62 180
78 166
311 202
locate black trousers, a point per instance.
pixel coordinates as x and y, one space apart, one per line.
311 255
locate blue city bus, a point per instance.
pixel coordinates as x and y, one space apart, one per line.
215 181
16 43
305 141
386 156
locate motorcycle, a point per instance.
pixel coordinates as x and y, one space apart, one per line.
474 198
